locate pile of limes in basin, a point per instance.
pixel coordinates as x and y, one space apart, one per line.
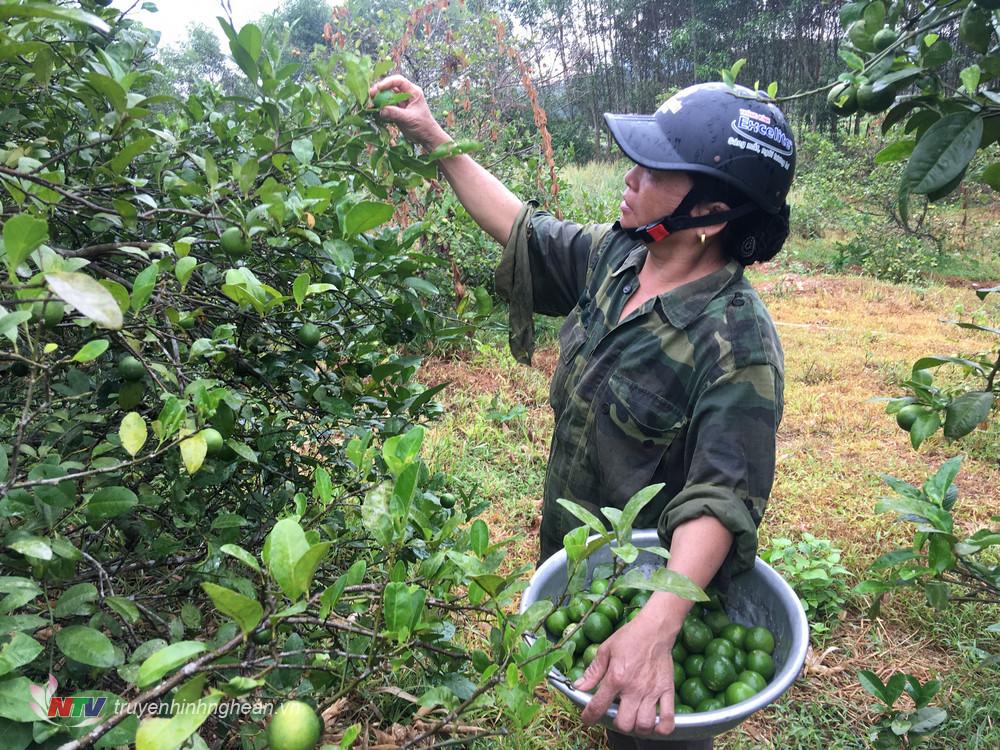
717 662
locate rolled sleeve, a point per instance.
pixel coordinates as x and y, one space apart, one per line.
730 453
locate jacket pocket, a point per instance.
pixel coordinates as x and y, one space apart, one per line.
571 338
634 428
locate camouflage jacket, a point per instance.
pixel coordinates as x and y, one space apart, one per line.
686 391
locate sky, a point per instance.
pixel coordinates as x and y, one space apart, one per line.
173 16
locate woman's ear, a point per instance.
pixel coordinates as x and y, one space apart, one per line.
704 209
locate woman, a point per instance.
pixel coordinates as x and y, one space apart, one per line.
670 369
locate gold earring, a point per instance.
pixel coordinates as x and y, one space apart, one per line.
703 239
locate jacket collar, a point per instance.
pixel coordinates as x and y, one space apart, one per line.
680 306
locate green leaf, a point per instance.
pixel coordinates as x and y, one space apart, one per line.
91 350
402 607
936 487
131 151
286 546
939 554
636 503
35 546
870 682
924 426
19 651
109 502
937 594
193 452
88 296
400 450
853 60
299 288
240 554
991 176
10 322
965 412
167 660
184 268
125 608
77 601
21 235
302 149
245 611
366 215
927 719
896 151
170 734
943 151
305 566
38 10
662 579
970 78
250 39
143 286
479 537
87 646
421 286
15 693
133 432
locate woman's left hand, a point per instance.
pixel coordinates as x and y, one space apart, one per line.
635 665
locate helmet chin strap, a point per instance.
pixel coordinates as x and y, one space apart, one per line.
681 218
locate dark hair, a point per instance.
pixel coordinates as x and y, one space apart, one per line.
753 238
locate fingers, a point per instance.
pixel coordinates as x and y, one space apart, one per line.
595 672
628 707
600 703
645 716
666 723
398 82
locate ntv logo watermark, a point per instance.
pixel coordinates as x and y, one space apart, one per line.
47 706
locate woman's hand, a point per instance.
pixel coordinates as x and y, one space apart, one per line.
412 116
635 665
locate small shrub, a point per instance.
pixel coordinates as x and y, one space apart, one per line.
812 567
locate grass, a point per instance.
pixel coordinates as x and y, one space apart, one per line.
848 341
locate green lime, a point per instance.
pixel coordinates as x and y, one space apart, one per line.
843 99
447 500
906 416
753 679
130 368
884 38
739 658
234 242
714 602
693 664
294 726
718 673
633 613
976 28
612 608
716 621
625 593
680 708
710 704
577 608
679 674
640 599
870 100
556 622
309 334
739 692
693 691
599 586
575 673
759 639
695 635
720 647
186 321
589 654
49 314
679 652
735 634
213 440
262 637
857 32
578 639
597 627
130 395
762 663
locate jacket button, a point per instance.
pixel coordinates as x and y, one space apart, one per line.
605 408
738 301
626 289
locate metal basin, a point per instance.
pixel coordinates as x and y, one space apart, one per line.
757 597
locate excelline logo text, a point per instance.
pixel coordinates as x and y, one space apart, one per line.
76 707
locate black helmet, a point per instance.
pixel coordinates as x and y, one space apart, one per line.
728 132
